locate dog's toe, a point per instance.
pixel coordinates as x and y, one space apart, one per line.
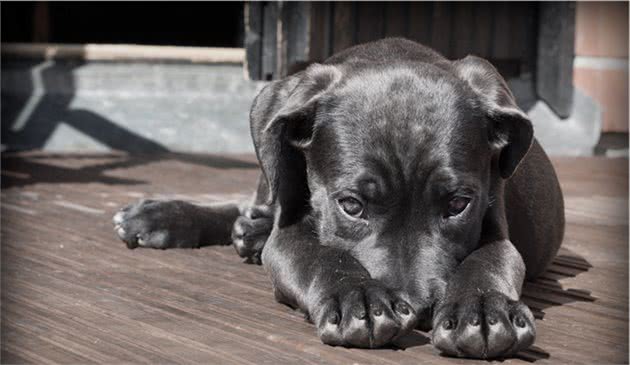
443 337
483 326
118 218
365 316
250 232
123 234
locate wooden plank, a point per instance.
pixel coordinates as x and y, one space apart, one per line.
502 31
296 28
421 22
71 292
528 39
464 30
396 19
370 21
519 15
442 28
344 25
253 19
320 46
270 48
484 21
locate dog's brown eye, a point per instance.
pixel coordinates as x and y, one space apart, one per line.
457 205
351 206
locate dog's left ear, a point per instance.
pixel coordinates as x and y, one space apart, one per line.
282 122
510 129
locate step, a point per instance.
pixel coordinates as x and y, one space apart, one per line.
65 105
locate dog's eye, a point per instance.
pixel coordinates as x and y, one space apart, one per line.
457 205
353 207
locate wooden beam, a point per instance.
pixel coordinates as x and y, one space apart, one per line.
123 52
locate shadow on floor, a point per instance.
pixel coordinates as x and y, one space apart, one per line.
546 291
20 170
34 110
542 293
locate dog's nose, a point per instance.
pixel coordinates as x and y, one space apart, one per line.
424 319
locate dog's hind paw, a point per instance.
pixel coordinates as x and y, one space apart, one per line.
483 326
365 315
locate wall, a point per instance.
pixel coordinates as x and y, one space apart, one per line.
601 63
70 106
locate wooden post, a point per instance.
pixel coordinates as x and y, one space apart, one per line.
294 36
270 41
344 25
253 40
320 44
278 38
554 65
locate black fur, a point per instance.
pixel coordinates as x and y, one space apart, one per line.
404 137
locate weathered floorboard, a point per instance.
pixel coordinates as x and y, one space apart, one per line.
72 293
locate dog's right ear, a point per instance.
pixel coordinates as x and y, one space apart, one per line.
282 121
510 130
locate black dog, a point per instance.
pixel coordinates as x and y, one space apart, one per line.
401 190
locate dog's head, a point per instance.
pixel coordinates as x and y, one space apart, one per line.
398 164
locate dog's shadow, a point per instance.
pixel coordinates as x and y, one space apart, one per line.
544 292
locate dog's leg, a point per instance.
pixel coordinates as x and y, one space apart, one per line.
480 315
175 223
348 307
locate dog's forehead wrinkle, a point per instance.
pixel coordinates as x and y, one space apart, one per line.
400 88
397 162
400 106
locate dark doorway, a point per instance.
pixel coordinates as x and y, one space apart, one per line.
208 24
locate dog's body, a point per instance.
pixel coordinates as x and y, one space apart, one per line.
400 190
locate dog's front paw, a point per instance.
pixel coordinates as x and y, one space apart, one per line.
251 230
157 224
363 315
485 325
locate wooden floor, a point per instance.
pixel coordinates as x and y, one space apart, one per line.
72 292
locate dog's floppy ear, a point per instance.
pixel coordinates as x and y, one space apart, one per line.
510 129
282 121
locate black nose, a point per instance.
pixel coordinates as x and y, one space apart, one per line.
425 318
